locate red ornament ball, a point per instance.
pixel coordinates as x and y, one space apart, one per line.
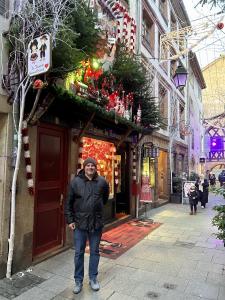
220 26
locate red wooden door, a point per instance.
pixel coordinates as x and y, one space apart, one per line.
51 179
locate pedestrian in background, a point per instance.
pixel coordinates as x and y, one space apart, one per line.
199 187
221 178
212 179
88 193
193 199
205 193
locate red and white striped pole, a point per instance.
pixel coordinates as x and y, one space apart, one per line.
80 152
132 34
26 148
134 172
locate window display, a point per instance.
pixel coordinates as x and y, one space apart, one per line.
148 174
104 153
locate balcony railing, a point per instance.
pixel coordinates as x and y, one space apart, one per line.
216 155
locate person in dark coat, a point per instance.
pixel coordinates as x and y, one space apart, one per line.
193 199
88 193
212 179
199 188
205 193
221 178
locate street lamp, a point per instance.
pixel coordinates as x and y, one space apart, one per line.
180 77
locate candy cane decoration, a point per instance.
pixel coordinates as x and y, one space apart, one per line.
125 30
116 173
118 36
26 148
80 151
132 34
134 172
125 24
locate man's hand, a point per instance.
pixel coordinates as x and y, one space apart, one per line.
72 226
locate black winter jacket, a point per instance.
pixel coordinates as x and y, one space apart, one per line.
84 205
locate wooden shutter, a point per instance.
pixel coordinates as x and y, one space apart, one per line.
2 7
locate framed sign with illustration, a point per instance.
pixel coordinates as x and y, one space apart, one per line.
39 55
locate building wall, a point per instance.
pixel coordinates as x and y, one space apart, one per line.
195 120
213 95
155 17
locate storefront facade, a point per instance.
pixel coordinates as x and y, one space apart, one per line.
154 171
57 147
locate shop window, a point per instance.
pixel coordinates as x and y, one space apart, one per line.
163 174
147 174
148 32
104 153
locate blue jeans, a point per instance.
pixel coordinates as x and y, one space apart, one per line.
80 239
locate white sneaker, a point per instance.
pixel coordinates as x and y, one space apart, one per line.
202 206
77 288
94 284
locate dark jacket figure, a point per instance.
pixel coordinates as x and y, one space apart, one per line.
85 201
199 188
212 179
221 178
205 193
84 213
193 199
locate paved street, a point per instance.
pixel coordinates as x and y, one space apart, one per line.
179 260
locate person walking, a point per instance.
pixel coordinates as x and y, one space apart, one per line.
88 192
199 187
221 178
193 199
205 193
212 179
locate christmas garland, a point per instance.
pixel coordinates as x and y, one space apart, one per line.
63 95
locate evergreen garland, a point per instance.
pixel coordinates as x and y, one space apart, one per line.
63 95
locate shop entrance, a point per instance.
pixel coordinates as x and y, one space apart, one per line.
122 186
163 174
51 180
112 164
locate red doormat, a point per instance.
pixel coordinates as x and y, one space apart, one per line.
121 238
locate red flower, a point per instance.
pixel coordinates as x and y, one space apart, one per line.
38 84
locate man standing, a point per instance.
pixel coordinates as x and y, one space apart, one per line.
84 208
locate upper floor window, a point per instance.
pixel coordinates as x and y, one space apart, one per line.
173 23
2 7
163 9
148 32
163 103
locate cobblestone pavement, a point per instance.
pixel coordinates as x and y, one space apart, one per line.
179 260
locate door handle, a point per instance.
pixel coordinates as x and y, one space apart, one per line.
61 200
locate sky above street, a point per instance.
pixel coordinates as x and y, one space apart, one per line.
213 46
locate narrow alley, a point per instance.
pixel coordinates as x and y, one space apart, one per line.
179 260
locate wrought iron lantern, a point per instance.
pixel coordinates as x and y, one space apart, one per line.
180 77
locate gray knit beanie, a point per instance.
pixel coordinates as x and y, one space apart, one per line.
90 160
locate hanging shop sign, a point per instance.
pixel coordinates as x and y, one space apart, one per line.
202 160
39 55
